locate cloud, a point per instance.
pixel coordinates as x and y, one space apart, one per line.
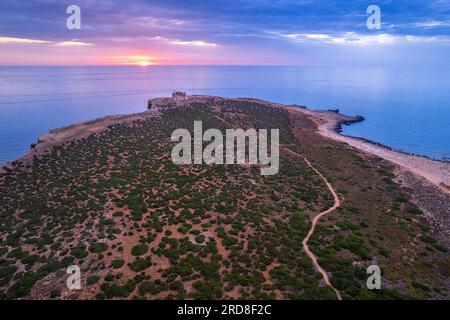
429 39
35 41
281 31
195 43
22 40
347 38
432 24
351 38
159 23
313 36
74 43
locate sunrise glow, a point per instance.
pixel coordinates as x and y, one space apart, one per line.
144 63
146 33
135 60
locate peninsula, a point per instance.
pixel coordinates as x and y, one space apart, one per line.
105 196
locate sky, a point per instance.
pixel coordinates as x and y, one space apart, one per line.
239 32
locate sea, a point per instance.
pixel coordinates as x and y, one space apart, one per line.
406 109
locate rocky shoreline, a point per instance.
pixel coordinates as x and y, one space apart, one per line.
427 180
59 136
329 125
342 119
434 204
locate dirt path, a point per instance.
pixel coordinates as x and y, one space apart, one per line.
316 219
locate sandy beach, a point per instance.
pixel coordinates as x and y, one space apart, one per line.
328 123
427 180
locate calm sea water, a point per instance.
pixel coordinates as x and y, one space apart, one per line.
406 109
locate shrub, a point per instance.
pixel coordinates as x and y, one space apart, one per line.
229 241
414 210
92 279
140 264
116 290
356 245
139 249
428 239
31 259
184 228
207 290
440 247
118 263
221 232
79 252
55 293
195 232
3 251
200 239
383 251
149 287
421 286
98 247
23 285
109 277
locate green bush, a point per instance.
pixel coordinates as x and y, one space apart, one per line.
55 293
229 241
139 249
356 245
116 290
207 290
3 251
428 239
140 264
440 247
200 239
414 210
92 280
31 259
184 228
118 263
221 232
79 252
98 247
149 287
421 286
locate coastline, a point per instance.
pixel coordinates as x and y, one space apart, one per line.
427 180
366 185
80 130
328 123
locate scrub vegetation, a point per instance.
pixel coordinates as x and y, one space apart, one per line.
141 227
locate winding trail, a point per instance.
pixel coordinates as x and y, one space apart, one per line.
337 203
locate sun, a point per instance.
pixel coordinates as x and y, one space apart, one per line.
136 60
144 63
